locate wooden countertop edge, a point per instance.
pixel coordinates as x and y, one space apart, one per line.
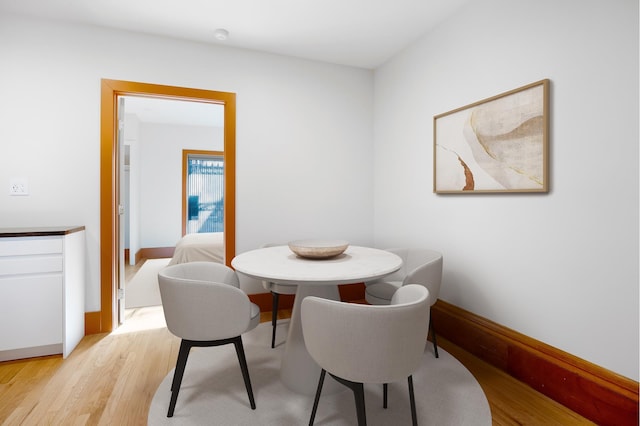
39 231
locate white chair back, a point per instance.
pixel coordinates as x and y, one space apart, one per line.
202 301
419 266
365 343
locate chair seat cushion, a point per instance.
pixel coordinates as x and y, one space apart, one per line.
381 292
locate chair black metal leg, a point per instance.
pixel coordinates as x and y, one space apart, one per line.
384 395
317 398
433 336
237 342
412 399
358 395
181 363
274 316
183 354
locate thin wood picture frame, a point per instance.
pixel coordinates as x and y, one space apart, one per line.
496 145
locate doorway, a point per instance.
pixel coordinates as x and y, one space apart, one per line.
110 211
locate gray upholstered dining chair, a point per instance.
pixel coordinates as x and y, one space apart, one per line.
204 306
359 343
276 290
419 266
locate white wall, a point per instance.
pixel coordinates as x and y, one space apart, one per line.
560 267
303 134
161 177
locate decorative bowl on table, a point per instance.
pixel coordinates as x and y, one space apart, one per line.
318 249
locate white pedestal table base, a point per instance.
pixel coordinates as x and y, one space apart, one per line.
298 371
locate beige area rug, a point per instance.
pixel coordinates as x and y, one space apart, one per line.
143 288
213 393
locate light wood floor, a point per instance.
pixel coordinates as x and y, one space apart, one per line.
110 379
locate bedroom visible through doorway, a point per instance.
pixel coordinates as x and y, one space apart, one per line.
152 135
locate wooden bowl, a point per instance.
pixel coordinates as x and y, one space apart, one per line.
318 249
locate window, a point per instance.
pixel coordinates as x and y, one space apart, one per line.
203 191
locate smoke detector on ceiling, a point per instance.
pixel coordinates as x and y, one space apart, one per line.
221 34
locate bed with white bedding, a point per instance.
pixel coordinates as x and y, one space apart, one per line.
206 246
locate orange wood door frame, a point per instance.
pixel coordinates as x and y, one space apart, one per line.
109 178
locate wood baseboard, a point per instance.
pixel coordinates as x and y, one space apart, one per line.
138 255
92 323
351 292
600 395
155 253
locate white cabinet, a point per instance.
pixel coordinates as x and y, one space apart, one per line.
42 288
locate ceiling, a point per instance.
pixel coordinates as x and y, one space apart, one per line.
359 33
171 111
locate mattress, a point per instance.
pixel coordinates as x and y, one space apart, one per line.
206 246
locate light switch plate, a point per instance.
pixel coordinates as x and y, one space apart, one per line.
18 186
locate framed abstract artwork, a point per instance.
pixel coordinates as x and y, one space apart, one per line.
499 144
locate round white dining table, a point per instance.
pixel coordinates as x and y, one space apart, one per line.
313 277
